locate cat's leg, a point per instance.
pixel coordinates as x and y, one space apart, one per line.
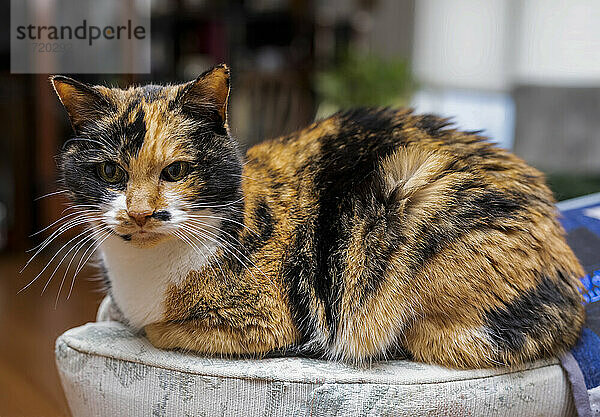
454 346
194 335
542 321
432 342
483 307
219 316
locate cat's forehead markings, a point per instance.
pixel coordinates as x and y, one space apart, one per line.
160 145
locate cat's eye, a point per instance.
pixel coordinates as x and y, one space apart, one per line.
176 171
110 172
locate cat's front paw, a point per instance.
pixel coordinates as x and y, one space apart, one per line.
158 335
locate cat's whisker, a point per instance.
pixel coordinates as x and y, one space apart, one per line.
92 238
53 236
81 264
226 243
230 209
90 235
83 217
192 210
198 222
42 248
62 281
213 255
218 229
81 139
50 194
86 206
197 234
188 240
59 220
108 233
200 216
52 259
62 228
202 205
76 246
180 234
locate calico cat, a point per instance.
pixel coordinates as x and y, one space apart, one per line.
371 232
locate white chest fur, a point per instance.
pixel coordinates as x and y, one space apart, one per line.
139 277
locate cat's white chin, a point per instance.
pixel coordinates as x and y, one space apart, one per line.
146 239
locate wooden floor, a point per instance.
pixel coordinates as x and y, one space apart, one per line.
29 325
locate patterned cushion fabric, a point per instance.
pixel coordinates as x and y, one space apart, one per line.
108 371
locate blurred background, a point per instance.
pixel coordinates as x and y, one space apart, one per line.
526 72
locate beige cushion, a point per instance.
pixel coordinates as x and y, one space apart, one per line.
108 371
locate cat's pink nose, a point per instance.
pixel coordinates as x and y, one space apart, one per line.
140 217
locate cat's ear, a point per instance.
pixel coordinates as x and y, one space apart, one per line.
207 96
83 103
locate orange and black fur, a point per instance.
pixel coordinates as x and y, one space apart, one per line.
369 233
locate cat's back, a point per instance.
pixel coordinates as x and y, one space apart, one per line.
334 165
387 218
358 133
346 149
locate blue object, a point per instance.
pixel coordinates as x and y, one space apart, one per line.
591 286
587 354
581 219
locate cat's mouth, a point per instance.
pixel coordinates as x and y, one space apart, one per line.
144 234
141 236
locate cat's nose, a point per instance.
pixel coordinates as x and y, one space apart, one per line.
140 217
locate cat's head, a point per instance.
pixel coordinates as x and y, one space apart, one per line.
152 163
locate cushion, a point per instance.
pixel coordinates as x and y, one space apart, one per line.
106 370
